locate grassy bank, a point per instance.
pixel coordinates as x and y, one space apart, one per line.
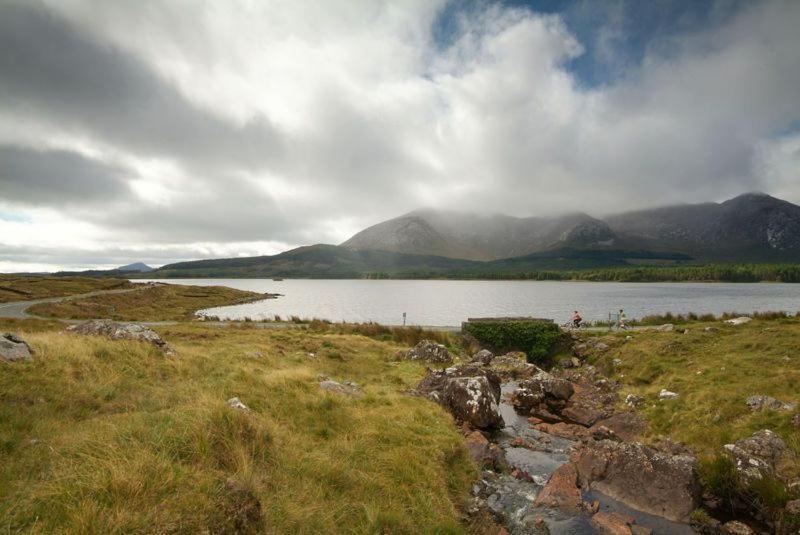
713 372
101 436
23 288
155 303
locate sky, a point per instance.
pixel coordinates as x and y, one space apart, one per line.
161 131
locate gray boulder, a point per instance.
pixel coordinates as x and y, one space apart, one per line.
429 352
667 327
757 456
741 320
13 348
470 392
760 403
484 357
641 477
122 331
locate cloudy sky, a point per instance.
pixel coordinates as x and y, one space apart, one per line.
163 130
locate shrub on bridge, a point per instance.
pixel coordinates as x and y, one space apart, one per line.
538 339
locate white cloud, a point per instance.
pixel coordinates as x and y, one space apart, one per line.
373 118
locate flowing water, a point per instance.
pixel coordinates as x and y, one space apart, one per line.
448 303
513 498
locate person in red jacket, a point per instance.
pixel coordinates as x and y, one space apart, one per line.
576 319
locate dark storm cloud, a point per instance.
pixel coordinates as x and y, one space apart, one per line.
51 70
38 177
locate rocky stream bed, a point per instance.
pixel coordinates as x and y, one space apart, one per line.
562 453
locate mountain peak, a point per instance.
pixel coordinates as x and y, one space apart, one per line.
139 267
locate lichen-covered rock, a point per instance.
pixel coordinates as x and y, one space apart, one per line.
348 388
641 477
734 527
483 357
741 320
470 392
236 403
513 366
471 400
121 331
13 348
760 403
428 351
757 456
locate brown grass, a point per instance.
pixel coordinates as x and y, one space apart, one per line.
170 302
22 288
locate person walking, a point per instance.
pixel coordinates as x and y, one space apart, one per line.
621 323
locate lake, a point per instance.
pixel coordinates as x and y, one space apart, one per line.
449 302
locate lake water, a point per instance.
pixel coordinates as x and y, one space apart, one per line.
448 303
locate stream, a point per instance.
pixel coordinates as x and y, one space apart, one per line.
513 498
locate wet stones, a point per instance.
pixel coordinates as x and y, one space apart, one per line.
562 489
642 477
14 349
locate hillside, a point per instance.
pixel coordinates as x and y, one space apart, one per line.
752 227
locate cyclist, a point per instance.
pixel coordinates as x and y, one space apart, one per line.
576 319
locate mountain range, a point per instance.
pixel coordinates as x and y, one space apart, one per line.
753 227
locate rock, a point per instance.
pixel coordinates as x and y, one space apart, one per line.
796 420
757 456
562 489
13 348
667 445
348 388
429 352
633 400
615 524
513 366
641 477
486 454
241 510
625 426
617 362
734 527
741 320
236 403
667 327
760 403
563 430
542 394
470 392
793 507
483 357
583 415
569 362
121 331
666 394
471 399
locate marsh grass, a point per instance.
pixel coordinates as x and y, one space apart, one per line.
99 436
22 288
171 302
713 372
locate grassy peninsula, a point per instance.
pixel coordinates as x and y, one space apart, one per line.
24 287
171 302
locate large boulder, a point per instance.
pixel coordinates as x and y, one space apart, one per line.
428 351
484 357
470 392
13 348
542 389
641 477
121 331
513 365
758 455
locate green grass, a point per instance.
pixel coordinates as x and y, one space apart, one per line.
114 437
23 288
713 372
156 303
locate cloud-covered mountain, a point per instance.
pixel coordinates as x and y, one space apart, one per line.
750 227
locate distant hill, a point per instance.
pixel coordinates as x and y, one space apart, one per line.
138 267
319 261
753 227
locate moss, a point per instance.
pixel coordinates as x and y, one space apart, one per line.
538 339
